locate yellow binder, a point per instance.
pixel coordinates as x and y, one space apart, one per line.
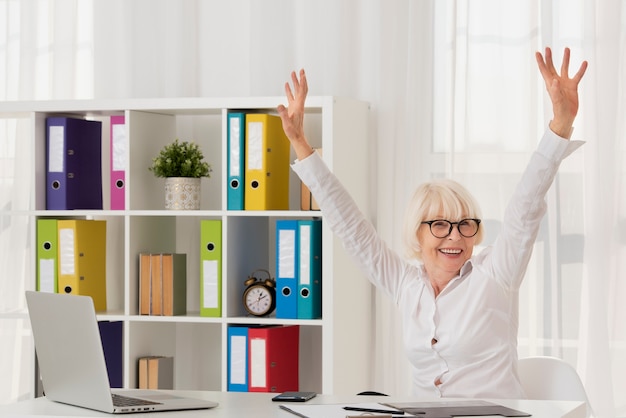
267 163
82 259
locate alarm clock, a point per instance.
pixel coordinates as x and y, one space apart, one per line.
259 296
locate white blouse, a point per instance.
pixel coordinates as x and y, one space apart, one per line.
474 319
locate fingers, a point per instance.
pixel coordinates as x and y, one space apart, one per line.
565 67
581 72
300 87
300 84
295 81
565 63
548 71
288 93
303 82
542 65
549 63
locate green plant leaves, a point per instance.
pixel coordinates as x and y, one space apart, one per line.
180 159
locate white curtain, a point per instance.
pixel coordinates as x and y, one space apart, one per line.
454 91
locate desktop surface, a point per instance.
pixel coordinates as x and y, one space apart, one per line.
260 405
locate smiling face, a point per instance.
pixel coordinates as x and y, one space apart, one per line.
440 199
444 257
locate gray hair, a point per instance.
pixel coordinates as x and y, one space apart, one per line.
437 199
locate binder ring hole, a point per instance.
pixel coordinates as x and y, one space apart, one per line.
255 184
68 289
234 184
210 246
304 293
47 245
286 291
119 184
56 185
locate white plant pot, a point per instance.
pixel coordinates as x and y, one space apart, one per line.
182 193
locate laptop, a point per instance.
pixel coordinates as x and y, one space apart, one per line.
71 360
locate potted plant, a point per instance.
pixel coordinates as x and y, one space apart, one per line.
182 165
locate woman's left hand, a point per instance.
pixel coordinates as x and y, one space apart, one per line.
562 89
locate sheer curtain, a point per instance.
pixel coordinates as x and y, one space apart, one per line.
476 118
454 91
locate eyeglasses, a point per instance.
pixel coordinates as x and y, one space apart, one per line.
441 228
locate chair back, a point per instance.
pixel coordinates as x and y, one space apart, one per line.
551 378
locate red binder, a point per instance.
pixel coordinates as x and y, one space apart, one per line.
273 358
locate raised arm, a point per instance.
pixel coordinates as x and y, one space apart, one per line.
522 218
562 89
293 116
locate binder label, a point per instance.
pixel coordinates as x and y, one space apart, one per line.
305 254
238 371
66 251
55 150
287 253
118 162
255 146
209 268
258 375
235 152
46 275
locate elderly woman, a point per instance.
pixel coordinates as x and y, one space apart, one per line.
459 309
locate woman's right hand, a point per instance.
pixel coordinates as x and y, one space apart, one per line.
293 116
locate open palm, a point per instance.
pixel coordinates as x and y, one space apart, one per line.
562 89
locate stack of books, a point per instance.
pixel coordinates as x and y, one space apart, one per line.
156 372
162 284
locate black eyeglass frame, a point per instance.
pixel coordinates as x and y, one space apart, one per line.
430 226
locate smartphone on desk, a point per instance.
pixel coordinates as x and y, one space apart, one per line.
294 396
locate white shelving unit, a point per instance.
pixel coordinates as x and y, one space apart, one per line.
334 350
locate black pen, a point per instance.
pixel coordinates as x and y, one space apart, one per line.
376 411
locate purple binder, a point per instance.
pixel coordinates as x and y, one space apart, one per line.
73 164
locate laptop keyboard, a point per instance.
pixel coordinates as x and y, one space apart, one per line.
121 400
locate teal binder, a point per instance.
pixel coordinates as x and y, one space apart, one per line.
310 266
236 153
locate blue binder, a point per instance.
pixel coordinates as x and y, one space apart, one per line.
310 266
237 368
286 269
236 153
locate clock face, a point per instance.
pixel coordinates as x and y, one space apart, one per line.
259 300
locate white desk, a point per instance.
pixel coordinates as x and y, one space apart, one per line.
259 405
